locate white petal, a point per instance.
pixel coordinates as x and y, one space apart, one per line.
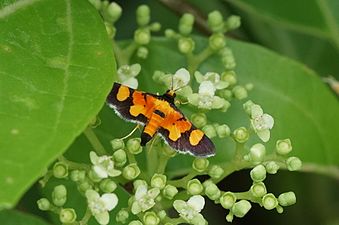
153 193
183 75
102 218
193 99
264 135
131 82
221 85
197 202
135 69
92 195
110 200
256 111
212 76
269 121
207 87
136 208
113 172
199 77
94 158
179 205
100 171
140 192
218 102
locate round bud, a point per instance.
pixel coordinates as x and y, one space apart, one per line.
229 217
241 134
119 157
257 152
248 107
186 24
169 191
293 163
60 170
227 200
93 176
287 198
241 208
226 106
249 86
216 21
269 201
186 45
44 204
155 26
131 171
229 77
67 216
169 33
199 119
279 209
84 186
122 216
117 144
133 146
142 52
239 92
258 173
107 185
111 31
194 187
158 181
272 167
143 15
258 189
212 191
142 36
137 183
114 12
226 94
216 41
59 195
135 222
200 164
283 147
162 214
233 22
223 130
151 218
209 130
216 172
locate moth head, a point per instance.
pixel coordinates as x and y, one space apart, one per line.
171 93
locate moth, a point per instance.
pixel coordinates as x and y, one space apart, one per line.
159 115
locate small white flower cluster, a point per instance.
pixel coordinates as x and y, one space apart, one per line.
190 210
127 74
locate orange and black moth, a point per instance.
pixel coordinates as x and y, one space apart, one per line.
159 115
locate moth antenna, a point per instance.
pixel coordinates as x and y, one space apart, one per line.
180 88
128 135
172 82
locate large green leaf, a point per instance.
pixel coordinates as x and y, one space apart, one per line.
56 67
11 217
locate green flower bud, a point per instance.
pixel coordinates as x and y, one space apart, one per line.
96 3
84 186
155 26
186 45
44 204
283 147
229 217
257 152
107 185
209 130
122 216
131 171
169 33
269 201
279 209
293 163
59 195
249 86
114 12
216 172
158 181
135 222
272 167
200 164
258 173
212 191
67 216
60 170
199 119
162 214
241 134
229 77
223 131
233 22
248 107
111 31
215 21
142 52
241 208
119 157
169 191
186 24
239 92
227 200
227 58
226 106
93 176
168 223
258 189
287 198
216 41
143 15
150 218
133 146
117 144
226 94
137 183
194 187
142 36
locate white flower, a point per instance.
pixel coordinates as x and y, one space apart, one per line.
213 77
206 99
127 74
103 166
144 199
190 210
261 122
180 79
99 206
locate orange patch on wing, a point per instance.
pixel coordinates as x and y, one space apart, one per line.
123 93
195 137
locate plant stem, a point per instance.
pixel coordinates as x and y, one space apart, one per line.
74 165
86 217
194 61
93 139
182 181
162 163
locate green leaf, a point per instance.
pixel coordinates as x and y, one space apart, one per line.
56 68
10 217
